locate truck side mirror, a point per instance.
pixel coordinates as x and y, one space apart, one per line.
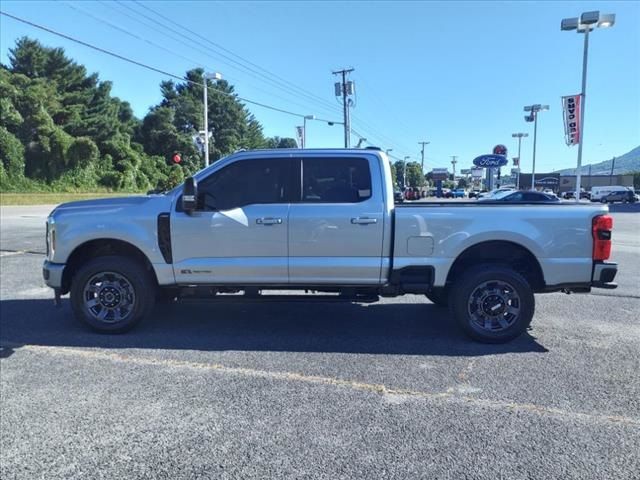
190 195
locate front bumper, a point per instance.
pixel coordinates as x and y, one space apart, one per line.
52 274
603 275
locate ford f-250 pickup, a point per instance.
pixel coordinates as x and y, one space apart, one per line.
321 221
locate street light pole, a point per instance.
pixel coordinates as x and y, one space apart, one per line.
582 104
533 117
519 137
206 124
535 137
205 77
304 129
584 24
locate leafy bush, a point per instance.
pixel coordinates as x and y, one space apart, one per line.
12 154
81 153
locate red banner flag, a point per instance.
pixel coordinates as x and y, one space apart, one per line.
571 111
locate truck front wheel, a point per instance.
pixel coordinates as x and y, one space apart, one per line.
112 294
492 304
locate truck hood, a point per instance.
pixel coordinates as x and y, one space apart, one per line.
115 205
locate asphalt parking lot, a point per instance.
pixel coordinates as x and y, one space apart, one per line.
331 391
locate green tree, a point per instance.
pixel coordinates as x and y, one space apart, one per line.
60 126
280 142
172 125
415 178
82 152
12 154
462 183
394 176
398 166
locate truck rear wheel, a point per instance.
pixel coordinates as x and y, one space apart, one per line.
492 304
112 294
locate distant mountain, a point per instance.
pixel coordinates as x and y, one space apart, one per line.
629 162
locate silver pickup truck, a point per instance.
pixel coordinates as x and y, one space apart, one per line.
322 222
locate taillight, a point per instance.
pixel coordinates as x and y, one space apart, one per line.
602 226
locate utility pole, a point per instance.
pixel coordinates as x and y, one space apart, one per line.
404 171
207 76
613 164
422 153
454 160
345 89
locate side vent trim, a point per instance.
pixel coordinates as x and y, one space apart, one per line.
164 237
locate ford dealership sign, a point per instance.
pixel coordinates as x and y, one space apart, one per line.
490 161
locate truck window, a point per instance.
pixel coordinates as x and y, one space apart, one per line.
245 182
335 180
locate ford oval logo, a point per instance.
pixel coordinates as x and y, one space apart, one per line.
490 161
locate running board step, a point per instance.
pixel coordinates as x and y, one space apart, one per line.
225 298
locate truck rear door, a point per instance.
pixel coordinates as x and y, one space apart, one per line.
336 228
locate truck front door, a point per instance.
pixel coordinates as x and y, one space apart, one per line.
238 234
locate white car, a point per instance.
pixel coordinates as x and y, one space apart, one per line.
495 192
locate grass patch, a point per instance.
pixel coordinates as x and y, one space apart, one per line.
52 198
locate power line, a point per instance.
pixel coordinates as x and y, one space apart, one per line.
127 32
195 62
282 85
171 27
99 49
143 65
178 77
229 77
178 36
245 60
387 140
385 107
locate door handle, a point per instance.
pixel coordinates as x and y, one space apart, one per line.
363 220
268 221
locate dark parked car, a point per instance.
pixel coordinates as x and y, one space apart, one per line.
408 194
398 197
521 196
623 196
571 194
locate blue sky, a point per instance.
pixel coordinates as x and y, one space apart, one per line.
456 74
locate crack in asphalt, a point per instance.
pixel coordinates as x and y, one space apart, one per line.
447 396
614 295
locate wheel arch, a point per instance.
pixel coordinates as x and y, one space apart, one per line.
499 252
99 248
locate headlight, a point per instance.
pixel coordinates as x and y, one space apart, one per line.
51 238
